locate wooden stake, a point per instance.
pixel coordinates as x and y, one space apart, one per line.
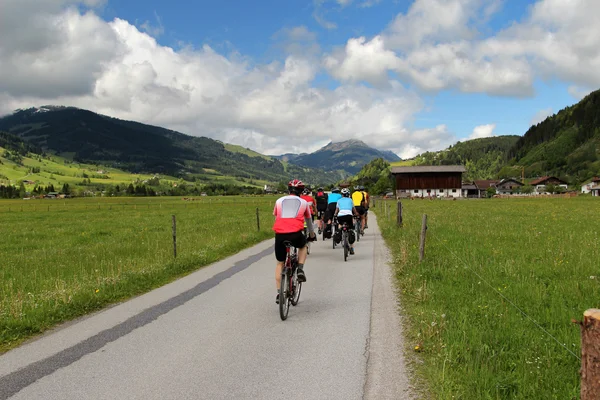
399 216
590 355
174 237
423 233
257 220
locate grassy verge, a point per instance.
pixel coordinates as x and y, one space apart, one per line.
63 259
489 309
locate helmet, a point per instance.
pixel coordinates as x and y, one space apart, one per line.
361 188
345 192
356 187
335 190
305 191
320 189
295 186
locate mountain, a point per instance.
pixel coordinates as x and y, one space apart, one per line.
348 157
566 144
87 137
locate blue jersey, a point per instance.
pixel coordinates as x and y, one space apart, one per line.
334 197
345 205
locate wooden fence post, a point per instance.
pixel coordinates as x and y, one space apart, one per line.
399 216
257 220
590 355
174 237
423 233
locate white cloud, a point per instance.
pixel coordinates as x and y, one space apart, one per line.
541 115
271 107
483 131
578 92
438 45
154 30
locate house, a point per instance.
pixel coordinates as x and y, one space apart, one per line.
509 186
586 187
469 189
539 185
595 190
484 184
429 181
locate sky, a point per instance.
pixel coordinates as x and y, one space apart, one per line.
281 76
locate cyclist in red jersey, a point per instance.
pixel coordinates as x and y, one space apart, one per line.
290 213
311 202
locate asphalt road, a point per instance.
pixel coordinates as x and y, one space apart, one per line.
216 334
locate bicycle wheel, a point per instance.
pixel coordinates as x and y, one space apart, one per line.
332 237
284 295
296 289
345 244
357 230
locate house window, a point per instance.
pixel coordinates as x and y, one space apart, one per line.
453 190
416 191
428 190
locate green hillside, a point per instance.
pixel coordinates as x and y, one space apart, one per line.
89 138
483 158
566 144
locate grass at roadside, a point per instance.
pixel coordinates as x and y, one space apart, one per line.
63 259
490 307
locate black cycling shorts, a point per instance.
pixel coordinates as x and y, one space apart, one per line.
361 210
347 219
330 210
296 238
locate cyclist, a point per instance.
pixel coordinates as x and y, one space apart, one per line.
358 199
311 202
291 212
367 205
344 211
321 201
332 200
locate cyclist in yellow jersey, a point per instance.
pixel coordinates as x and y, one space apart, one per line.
367 205
359 200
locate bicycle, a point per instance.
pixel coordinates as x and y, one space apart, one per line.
357 227
345 242
306 237
334 224
290 288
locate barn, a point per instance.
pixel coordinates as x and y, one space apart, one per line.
429 181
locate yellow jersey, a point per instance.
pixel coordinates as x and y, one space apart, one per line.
358 198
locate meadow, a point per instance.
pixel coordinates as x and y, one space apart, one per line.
488 311
60 259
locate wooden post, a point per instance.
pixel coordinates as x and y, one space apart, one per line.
399 216
257 220
423 233
174 237
590 355
48 208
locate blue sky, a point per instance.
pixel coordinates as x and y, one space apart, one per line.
279 76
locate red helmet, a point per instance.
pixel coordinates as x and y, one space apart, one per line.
296 183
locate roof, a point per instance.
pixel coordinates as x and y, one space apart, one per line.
544 179
486 183
429 168
469 186
510 180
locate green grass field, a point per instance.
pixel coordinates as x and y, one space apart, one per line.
489 309
64 258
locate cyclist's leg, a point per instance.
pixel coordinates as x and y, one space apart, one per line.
299 241
280 255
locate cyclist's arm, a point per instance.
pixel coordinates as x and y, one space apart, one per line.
337 210
354 212
308 222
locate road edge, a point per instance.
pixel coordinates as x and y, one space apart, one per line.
387 372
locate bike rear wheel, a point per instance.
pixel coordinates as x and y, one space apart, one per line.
345 244
357 230
296 289
284 295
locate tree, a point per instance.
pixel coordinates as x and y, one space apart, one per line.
22 190
490 192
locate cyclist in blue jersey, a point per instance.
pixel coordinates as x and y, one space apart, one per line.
332 200
344 211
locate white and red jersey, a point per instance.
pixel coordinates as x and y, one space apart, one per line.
311 202
289 213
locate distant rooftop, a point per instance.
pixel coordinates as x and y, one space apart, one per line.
429 168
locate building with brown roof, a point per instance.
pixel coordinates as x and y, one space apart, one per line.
429 181
539 185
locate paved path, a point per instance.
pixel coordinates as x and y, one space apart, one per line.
216 334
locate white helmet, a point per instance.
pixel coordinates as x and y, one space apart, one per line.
345 192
